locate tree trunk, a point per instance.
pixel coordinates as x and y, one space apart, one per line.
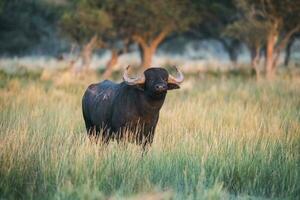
148 48
111 63
147 55
233 55
255 58
288 51
232 49
74 58
87 52
270 64
274 49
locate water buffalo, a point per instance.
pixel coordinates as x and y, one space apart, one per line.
130 108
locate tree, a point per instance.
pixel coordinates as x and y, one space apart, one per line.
213 17
87 25
249 30
148 23
24 24
289 47
267 22
281 18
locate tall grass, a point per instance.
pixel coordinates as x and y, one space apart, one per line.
221 139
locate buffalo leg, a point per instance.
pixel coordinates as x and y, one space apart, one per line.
105 137
147 140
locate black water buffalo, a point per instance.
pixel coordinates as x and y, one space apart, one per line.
130 108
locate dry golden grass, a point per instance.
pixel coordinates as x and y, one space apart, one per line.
219 139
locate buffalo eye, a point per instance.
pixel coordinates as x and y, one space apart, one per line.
151 81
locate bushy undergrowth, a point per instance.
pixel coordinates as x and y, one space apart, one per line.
220 139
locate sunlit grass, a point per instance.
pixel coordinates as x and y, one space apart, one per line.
221 139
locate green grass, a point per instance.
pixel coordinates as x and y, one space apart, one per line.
221 139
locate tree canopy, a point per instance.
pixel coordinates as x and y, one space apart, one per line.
263 25
275 21
82 20
148 23
23 24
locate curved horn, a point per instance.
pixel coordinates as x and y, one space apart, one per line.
132 81
178 79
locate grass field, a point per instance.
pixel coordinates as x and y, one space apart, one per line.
216 139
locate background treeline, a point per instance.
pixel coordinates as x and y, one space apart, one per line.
266 27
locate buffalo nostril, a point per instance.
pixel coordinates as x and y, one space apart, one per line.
160 87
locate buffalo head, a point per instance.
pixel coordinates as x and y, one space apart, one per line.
155 81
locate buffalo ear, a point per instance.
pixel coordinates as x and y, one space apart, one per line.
172 86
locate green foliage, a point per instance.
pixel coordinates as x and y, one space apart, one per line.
23 24
219 139
259 17
248 28
83 20
148 18
286 11
1 5
213 17
86 18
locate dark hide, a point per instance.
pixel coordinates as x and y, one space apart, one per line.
110 110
